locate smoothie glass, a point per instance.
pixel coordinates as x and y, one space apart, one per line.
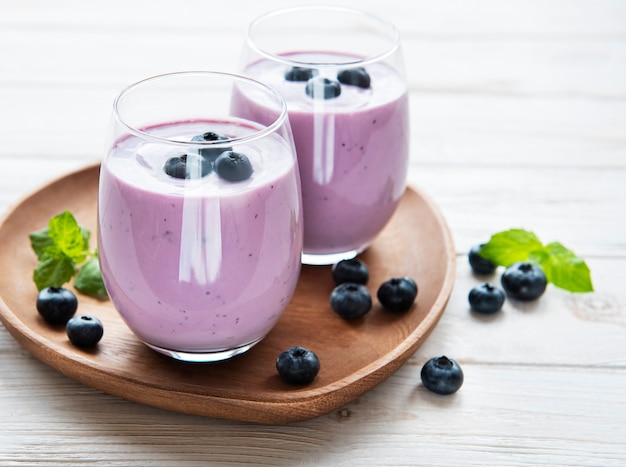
199 215
341 72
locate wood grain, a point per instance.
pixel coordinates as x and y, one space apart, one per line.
518 117
355 356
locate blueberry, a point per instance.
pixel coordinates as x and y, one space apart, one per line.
442 375
355 77
486 299
479 264
56 304
397 294
350 300
350 270
524 281
233 166
322 88
298 365
211 153
187 166
297 73
84 330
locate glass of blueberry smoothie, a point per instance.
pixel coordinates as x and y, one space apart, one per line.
199 214
341 72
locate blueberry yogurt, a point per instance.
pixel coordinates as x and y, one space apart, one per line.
200 252
350 126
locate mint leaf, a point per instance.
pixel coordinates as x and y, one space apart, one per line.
563 268
39 241
53 271
69 236
89 279
510 246
60 248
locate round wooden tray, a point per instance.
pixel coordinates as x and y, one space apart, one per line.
354 356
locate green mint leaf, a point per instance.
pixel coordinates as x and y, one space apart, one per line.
563 268
72 239
89 279
39 241
53 271
510 246
62 246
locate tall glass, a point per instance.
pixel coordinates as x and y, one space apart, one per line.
341 72
199 210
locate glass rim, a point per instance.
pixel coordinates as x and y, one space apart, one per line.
394 36
260 133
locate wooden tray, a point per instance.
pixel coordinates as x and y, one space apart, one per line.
354 356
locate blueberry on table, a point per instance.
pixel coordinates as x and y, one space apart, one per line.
322 88
479 264
442 375
233 166
187 166
211 153
84 331
397 294
298 73
56 304
355 77
486 298
298 365
350 270
350 300
524 281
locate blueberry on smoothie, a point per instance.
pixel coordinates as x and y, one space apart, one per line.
355 77
298 73
322 88
187 166
211 153
233 166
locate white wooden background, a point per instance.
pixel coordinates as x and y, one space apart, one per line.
518 120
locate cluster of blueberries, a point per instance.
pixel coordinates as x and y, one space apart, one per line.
234 166
228 164
57 305
318 87
351 300
522 281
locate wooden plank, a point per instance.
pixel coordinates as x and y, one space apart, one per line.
503 415
581 68
480 18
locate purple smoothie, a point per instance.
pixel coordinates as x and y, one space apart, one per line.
352 150
199 265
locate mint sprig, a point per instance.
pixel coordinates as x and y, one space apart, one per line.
63 252
561 266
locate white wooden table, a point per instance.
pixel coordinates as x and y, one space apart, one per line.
518 120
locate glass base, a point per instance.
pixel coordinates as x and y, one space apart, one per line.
204 357
325 259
